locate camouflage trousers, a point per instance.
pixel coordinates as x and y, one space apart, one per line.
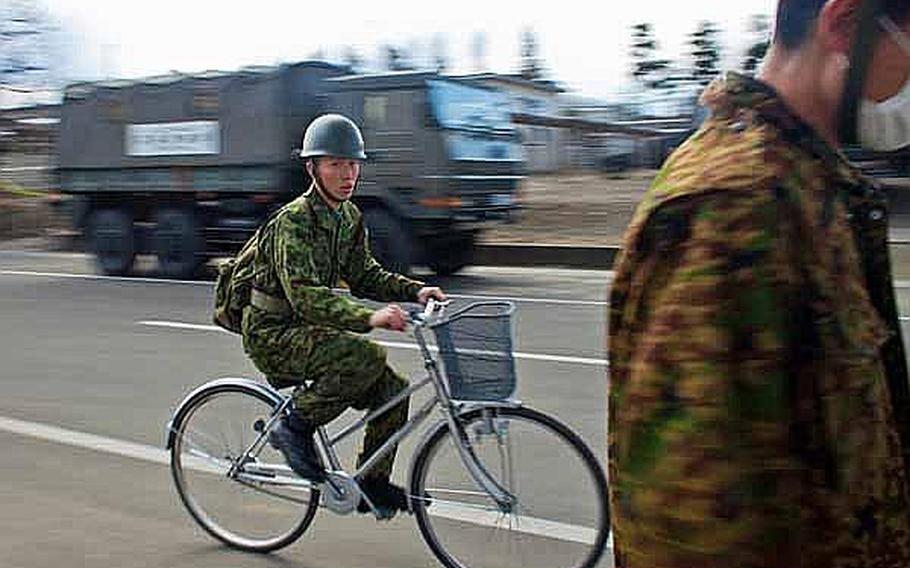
347 371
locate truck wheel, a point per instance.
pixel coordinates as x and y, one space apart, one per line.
450 254
178 243
112 241
390 241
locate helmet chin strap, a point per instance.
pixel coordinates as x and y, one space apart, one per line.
860 56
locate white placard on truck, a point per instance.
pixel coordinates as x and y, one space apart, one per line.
173 138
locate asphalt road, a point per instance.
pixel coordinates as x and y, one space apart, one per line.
93 367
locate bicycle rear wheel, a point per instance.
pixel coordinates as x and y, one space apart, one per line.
260 508
560 518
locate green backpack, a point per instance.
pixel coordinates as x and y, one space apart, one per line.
234 283
233 287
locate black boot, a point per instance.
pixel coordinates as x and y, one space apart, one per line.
293 437
387 497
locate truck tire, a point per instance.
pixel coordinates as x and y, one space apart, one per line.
390 241
113 241
449 254
179 244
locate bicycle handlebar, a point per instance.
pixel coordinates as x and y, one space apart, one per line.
433 308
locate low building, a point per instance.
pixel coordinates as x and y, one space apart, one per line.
539 99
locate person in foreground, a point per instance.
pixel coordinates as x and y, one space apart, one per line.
298 329
758 406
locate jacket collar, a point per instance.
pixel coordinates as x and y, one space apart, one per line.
326 217
737 98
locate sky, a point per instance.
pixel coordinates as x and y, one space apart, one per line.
584 45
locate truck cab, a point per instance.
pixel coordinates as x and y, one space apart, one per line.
444 162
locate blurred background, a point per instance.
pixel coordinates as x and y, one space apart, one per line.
167 129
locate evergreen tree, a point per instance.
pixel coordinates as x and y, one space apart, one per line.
760 30
647 68
705 52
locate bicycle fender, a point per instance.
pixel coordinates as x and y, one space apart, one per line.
463 409
206 389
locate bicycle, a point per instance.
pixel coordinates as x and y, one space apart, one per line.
490 464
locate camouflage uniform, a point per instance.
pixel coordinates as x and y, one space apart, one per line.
758 380
305 250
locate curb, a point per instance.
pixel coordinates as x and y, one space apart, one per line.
565 256
514 255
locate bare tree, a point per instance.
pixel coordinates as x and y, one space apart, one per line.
352 59
440 53
479 51
414 54
319 54
531 65
396 58
26 47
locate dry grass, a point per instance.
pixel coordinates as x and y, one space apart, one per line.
578 208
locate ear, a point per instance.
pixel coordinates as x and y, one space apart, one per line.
310 167
837 24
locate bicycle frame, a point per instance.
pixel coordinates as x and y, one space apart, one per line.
244 472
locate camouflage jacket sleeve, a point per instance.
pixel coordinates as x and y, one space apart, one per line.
699 399
296 270
368 279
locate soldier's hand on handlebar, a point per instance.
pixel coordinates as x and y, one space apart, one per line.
390 317
428 292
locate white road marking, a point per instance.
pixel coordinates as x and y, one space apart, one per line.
181 325
83 440
531 525
41 254
26 169
900 285
100 278
392 344
144 452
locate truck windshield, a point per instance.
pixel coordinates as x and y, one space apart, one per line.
462 107
478 122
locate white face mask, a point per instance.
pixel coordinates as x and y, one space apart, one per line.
885 126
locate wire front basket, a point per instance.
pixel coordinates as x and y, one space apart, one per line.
475 345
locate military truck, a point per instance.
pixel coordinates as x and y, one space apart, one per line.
185 167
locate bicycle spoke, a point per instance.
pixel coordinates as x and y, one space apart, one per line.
266 491
558 516
262 506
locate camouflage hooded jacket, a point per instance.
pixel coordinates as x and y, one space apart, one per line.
758 383
306 250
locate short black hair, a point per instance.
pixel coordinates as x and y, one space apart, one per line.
795 19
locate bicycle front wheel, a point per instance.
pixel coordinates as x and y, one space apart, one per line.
558 516
258 505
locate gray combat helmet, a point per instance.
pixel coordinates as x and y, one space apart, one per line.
333 135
